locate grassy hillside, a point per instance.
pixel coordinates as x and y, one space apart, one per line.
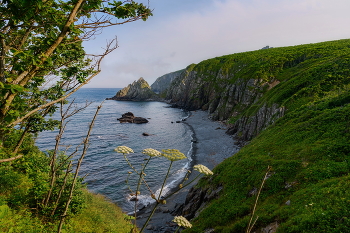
307 189
24 183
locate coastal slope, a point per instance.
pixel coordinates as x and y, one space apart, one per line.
290 108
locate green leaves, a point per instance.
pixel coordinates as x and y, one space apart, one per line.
130 9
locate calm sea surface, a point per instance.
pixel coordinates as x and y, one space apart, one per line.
105 170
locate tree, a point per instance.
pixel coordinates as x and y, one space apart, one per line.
42 59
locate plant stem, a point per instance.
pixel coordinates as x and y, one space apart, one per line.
157 203
250 225
138 186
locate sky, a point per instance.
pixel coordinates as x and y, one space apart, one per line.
182 32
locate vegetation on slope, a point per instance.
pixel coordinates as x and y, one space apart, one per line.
24 185
307 189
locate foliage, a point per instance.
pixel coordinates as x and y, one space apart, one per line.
42 62
308 148
100 215
42 58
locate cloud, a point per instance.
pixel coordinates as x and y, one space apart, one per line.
175 38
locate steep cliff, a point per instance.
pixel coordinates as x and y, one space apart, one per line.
293 105
137 91
163 82
249 90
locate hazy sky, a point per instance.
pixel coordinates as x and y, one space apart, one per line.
183 32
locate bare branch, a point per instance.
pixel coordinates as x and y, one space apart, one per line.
108 50
86 146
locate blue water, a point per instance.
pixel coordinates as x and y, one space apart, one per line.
106 170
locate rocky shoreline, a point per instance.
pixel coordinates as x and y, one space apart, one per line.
211 146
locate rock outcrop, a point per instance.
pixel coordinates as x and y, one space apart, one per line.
137 91
130 118
163 82
226 98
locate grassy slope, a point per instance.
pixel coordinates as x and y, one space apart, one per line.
308 148
100 215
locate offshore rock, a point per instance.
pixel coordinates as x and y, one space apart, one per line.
137 91
130 118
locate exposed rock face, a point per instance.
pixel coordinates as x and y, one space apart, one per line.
196 200
130 118
226 100
163 82
137 91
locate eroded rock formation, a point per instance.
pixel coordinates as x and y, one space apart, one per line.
137 91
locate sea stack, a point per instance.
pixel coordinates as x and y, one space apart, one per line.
137 91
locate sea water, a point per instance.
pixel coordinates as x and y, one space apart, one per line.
106 171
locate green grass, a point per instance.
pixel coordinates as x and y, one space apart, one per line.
308 148
99 215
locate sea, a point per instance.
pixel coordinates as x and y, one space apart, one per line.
105 171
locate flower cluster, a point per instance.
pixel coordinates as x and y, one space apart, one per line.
203 169
151 152
182 222
123 150
173 154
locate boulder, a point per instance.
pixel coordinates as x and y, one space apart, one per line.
129 117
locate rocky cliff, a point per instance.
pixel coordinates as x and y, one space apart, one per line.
293 106
163 82
137 91
227 96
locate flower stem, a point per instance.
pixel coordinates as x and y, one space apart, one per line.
138 186
177 229
157 203
166 177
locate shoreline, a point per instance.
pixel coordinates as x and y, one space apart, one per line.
210 146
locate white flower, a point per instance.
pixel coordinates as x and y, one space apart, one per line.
182 222
203 169
123 150
173 154
151 152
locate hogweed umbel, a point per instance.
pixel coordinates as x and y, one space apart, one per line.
203 169
123 150
151 152
182 222
173 154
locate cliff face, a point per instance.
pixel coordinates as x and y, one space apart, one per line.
137 91
293 104
226 98
163 82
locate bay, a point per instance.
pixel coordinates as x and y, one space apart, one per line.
106 170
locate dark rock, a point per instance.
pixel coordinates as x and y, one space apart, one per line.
178 121
140 120
196 200
130 118
271 228
253 192
146 134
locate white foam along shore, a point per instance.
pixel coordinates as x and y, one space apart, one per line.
211 145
